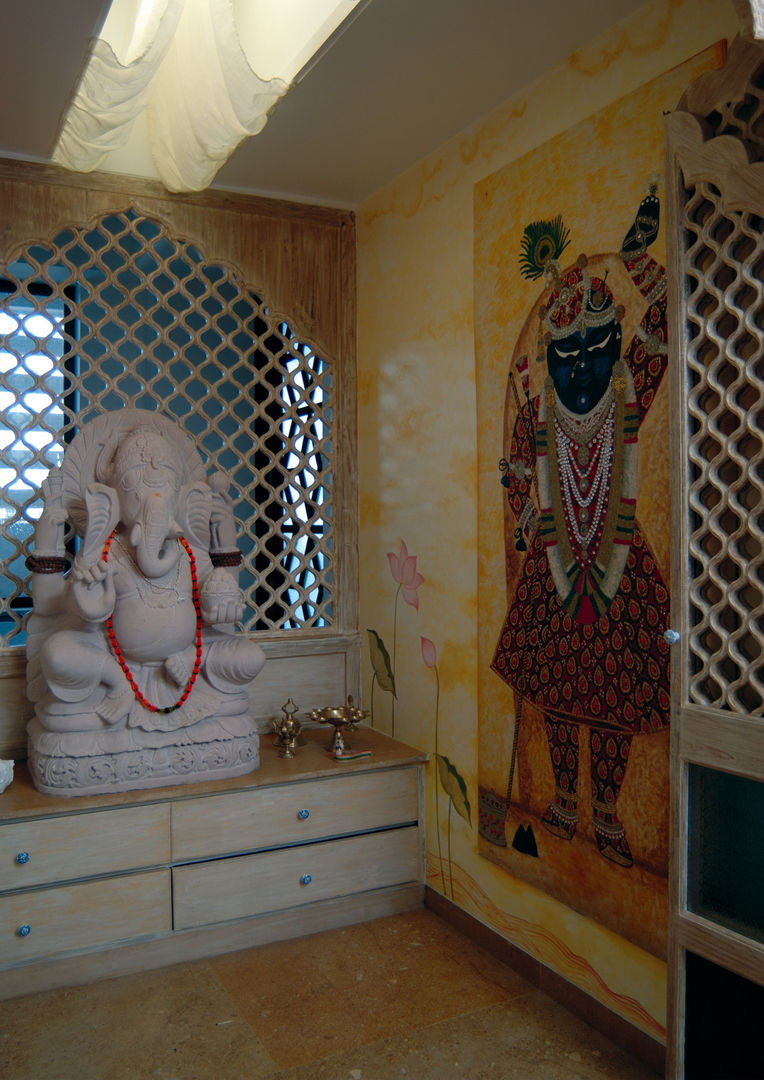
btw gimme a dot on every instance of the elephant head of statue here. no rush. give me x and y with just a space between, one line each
138 468
148 482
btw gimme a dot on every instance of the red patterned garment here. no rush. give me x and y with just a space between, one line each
613 672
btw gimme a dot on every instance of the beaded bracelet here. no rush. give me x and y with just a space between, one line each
225 558
46 564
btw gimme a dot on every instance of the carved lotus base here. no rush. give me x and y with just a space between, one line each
103 762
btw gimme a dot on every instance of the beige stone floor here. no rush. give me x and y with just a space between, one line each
407 996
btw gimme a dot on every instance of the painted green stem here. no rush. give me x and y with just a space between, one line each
450 863
395 641
437 779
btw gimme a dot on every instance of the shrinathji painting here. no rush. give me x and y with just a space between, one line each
572 353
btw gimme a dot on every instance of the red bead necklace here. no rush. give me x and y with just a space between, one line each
197 663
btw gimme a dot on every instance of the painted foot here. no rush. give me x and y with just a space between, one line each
611 839
561 818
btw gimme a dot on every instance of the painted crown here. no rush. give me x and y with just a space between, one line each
577 302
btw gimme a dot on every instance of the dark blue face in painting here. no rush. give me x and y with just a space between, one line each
581 365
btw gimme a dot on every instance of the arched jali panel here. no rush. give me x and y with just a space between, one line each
232 315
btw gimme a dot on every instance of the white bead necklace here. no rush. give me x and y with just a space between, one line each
583 428
579 488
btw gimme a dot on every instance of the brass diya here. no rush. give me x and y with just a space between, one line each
287 729
342 718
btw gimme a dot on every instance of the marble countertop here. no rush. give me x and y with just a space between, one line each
312 760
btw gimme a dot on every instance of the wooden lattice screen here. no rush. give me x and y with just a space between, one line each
121 312
722 267
715 179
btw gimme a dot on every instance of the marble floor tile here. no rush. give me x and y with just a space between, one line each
350 987
172 1024
520 1039
403 998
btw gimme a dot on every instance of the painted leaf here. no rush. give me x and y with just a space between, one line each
380 661
454 787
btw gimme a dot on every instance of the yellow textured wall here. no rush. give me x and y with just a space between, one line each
418 464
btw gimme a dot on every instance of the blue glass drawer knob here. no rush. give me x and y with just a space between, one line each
671 636
303 814
25 930
22 857
306 879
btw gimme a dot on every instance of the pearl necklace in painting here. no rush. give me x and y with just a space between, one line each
584 475
587 465
583 428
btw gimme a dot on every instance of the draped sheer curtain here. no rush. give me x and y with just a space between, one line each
197 76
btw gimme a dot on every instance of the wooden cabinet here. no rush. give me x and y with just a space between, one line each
213 891
293 813
105 884
715 182
87 915
41 851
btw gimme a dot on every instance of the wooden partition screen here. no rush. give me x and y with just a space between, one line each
715 181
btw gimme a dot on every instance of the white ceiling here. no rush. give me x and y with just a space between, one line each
401 78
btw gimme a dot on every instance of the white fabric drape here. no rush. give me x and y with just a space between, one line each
199 113
110 96
200 94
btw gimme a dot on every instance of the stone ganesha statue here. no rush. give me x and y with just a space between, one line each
137 676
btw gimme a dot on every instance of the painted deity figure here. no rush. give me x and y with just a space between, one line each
583 635
135 670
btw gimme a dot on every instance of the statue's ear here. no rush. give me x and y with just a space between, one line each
102 506
195 507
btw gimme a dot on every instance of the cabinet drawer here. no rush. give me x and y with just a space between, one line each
276 880
81 845
83 916
293 813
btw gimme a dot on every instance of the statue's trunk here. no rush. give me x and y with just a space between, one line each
156 552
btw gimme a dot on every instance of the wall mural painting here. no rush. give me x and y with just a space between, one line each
582 640
448 780
581 645
574 498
